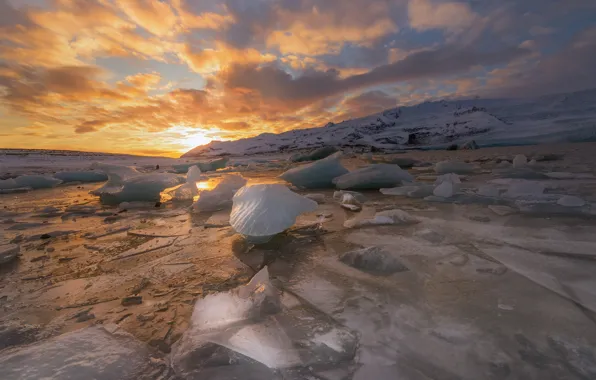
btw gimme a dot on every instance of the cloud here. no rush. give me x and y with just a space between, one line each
431 14
273 82
208 60
155 16
144 80
368 103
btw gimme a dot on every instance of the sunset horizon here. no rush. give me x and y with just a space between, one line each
159 78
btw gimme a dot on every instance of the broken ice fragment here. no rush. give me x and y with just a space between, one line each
571 201
149 246
117 174
221 196
261 211
457 167
502 210
373 177
338 195
375 260
414 191
348 201
318 174
256 299
81 176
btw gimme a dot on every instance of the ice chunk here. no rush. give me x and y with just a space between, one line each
205 166
8 252
82 176
189 189
117 174
101 353
375 260
338 195
449 177
470 145
221 196
520 161
253 300
29 181
525 188
348 201
261 211
571 201
373 177
317 154
318 174
397 217
143 188
457 167
444 190
255 321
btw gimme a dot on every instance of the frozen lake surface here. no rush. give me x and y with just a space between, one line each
491 279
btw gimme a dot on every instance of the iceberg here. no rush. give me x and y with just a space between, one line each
261 211
143 188
457 167
488 191
82 176
187 191
374 177
317 154
204 166
319 174
375 260
221 196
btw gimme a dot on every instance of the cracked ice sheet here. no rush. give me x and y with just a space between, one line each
573 279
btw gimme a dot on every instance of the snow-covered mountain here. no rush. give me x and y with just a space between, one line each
553 118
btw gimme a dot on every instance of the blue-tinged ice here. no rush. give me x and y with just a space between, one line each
205 166
146 187
374 177
117 174
319 174
30 181
187 191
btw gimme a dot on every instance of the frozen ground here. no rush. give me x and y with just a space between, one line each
479 288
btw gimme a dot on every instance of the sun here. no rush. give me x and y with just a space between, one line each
195 139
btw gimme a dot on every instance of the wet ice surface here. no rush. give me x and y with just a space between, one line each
494 282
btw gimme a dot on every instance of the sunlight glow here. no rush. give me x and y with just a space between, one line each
195 139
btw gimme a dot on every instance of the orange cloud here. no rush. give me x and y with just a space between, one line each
209 60
155 16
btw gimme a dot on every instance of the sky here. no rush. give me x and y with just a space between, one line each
159 77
